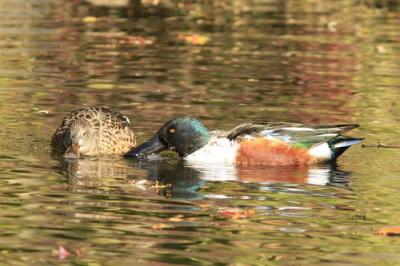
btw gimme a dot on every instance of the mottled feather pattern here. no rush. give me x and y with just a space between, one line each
112 133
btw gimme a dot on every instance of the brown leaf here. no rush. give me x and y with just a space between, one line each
89 19
388 231
236 214
63 253
344 207
177 218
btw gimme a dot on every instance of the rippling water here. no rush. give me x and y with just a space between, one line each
225 63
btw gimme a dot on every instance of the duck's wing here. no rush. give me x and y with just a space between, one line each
300 134
251 129
308 136
115 116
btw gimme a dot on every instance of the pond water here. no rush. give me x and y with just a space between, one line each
224 62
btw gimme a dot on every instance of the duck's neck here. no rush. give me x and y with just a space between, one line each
197 142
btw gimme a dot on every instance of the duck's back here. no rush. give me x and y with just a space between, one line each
111 131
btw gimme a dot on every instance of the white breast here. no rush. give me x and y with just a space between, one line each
217 150
321 152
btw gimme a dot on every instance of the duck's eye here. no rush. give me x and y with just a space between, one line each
84 134
171 130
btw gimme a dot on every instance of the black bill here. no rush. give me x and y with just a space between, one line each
153 145
72 152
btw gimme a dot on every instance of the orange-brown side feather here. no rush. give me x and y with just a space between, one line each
261 151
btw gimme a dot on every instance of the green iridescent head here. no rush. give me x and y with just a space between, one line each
184 135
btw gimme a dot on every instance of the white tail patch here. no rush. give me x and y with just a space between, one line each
321 151
347 143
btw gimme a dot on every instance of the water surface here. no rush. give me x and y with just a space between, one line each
224 63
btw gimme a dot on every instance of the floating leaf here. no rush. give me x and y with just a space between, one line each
89 19
380 49
100 86
63 253
389 231
177 218
236 214
137 40
194 39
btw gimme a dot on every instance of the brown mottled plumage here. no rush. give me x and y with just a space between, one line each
93 131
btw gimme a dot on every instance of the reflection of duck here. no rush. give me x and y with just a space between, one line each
250 144
181 181
93 131
92 171
184 179
313 175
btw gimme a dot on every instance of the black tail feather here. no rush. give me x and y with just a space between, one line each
341 144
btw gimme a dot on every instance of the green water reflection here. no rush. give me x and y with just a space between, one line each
225 62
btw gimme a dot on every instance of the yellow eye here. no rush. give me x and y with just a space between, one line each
172 130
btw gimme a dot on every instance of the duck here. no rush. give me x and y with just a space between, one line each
274 143
91 131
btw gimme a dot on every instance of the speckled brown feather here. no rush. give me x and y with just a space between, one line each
112 132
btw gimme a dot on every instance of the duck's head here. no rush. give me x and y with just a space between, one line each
78 138
183 135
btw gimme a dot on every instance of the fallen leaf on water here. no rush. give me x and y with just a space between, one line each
63 253
271 245
389 231
194 39
236 213
158 226
332 26
137 40
177 218
380 49
344 207
89 19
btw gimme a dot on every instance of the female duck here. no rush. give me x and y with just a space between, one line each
250 144
93 131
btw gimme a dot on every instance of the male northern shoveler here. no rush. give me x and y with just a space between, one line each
250 144
93 130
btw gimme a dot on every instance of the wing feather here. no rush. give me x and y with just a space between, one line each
296 134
